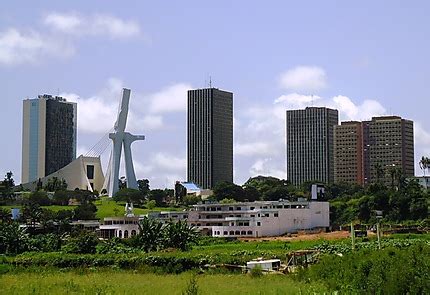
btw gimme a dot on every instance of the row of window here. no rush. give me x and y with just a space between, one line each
234 233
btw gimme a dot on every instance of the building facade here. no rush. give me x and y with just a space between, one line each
48 136
309 144
371 150
348 153
390 145
259 219
209 137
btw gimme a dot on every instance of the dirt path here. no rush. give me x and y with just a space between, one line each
304 237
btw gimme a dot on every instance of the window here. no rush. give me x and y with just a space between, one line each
225 233
243 233
90 171
133 233
275 214
231 233
250 232
237 232
125 234
258 223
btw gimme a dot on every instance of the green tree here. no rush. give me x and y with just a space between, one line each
55 184
39 197
85 211
159 196
62 197
228 190
83 243
150 237
13 239
130 195
151 204
143 185
424 164
180 235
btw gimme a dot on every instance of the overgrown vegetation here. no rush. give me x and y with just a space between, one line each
389 271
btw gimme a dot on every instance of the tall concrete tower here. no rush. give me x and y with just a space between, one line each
48 136
310 149
210 137
121 139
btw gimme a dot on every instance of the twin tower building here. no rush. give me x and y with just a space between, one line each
317 147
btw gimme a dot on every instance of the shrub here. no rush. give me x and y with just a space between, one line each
85 242
192 287
256 271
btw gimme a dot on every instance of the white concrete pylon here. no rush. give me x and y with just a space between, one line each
121 139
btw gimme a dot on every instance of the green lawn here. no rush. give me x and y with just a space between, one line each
94 281
105 208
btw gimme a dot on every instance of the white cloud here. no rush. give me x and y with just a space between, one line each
169 162
170 99
266 167
304 78
18 47
99 24
253 149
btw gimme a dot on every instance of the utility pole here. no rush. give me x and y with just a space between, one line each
353 236
378 230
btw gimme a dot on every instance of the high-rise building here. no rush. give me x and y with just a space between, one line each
366 151
48 136
348 153
390 145
210 137
309 143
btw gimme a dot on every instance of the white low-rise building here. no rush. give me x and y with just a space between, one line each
259 219
121 227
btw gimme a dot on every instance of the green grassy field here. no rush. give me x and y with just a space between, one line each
129 282
105 208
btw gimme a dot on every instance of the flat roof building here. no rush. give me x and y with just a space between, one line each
348 153
391 145
370 150
210 137
48 136
309 144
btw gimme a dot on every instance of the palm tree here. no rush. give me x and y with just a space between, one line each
425 164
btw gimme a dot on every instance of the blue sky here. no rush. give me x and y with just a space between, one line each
364 58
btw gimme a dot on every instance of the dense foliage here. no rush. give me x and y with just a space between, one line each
389 271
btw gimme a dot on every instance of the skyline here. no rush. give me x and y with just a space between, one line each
363 69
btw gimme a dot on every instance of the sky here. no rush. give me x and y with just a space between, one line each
365 58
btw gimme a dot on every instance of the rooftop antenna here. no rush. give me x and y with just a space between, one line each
210 81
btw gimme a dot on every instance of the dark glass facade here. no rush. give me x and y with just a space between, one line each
210 137
60 135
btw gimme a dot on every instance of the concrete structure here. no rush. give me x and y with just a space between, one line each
121 227
348 153
210 137
391 144
83 173
265 265
121 139
360 147
48 136
309 145
259 219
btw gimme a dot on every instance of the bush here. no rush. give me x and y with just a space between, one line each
389 271
256 271
85 242
192 287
